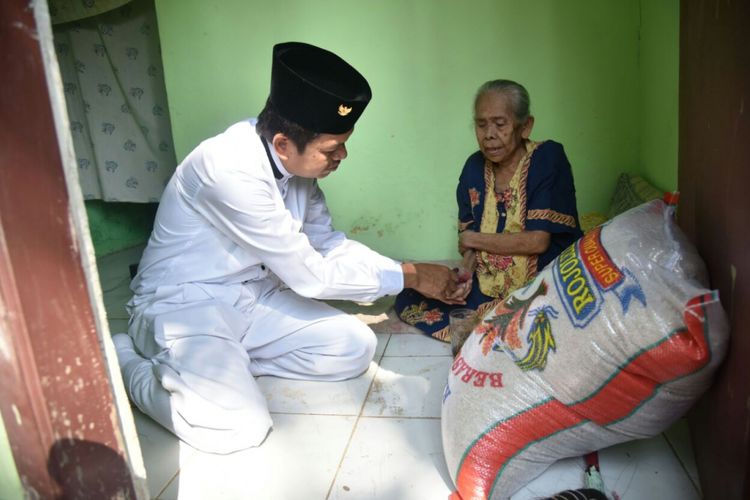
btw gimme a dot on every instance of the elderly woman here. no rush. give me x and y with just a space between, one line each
516 209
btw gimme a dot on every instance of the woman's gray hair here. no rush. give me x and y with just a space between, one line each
517 93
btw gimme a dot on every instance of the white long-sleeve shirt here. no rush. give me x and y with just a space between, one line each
224 219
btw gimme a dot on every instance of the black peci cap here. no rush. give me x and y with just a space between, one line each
316 89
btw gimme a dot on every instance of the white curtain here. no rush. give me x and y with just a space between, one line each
114 87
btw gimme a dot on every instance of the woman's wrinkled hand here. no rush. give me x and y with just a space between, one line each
464 275
463 288
468 262
465 241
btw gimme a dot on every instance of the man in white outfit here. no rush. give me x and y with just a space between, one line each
242 245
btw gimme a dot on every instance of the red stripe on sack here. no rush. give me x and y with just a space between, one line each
629 388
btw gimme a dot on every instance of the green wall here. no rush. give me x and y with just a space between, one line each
424 59
10 484
602 77
659 73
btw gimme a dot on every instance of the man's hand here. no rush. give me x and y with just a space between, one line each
433 281
465 274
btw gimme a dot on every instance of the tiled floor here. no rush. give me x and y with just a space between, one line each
373 437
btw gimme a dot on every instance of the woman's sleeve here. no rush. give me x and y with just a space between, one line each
551 203
467 197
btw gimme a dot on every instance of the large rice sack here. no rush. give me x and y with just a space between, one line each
614 340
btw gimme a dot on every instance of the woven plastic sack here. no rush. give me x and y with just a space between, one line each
614 340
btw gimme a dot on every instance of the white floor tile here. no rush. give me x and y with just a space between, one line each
318 398
114 277
563 475
638 470
393 459
382 342
115 268
646 468
161 452
298 461
408 387
172 492
641 469
378 315
115 300
678 437
416 345
391 324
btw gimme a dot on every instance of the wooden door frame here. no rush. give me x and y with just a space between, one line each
714 156
61 387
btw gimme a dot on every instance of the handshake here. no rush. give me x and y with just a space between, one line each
436 281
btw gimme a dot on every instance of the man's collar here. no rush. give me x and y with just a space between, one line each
279 172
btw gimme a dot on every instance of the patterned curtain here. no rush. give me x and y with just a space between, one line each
114 88
63 11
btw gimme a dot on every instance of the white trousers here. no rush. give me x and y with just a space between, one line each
200 357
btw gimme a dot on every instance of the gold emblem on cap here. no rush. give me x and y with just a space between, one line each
344 110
